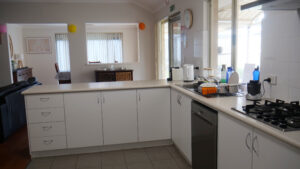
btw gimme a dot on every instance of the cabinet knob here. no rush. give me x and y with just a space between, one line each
47 128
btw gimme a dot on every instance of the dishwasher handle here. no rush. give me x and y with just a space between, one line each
199 114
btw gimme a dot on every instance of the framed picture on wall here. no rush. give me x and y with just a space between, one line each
38 45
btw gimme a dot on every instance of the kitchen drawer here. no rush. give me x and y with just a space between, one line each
48 143
47 129
45 115
44 101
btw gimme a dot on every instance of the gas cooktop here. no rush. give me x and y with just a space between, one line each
280 115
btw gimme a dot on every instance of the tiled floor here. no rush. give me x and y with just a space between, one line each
165 157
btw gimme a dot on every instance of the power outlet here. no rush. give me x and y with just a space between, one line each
273 80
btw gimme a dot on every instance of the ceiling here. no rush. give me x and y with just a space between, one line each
150 5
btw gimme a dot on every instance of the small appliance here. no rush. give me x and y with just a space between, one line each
177 74
254 88
188 73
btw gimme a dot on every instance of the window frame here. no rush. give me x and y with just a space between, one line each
87 57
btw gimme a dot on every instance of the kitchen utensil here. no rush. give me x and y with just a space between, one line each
188 73
208 88
177 73
234 78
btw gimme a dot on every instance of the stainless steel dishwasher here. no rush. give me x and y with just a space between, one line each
204 136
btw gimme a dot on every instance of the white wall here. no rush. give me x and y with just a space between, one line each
197 37
79 14
281 53
130 38
43 64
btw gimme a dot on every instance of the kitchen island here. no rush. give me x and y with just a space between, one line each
72 103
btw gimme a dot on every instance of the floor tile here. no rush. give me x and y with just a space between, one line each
158 153
142 165
41 163
65 162
165 164
89 161
136 156
174 152
182 163
116 166
113 158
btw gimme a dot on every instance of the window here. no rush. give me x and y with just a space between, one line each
62 52
238 36
105 47
162 52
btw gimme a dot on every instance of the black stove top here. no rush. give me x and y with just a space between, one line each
281 115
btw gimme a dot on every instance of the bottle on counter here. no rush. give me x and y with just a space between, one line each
256 74
223 74
228 74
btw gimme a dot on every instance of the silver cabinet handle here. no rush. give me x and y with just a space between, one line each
45 114
47 142
47 128
254 142
179 100
44 99
247 141
103 99
98 100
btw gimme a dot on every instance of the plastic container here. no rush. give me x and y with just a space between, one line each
256 74
223 74
228 74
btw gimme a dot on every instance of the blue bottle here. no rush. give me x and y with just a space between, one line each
256 74
229 72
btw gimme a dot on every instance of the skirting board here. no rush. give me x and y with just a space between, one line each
100 148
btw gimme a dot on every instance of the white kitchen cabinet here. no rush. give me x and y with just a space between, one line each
119 116
271 153
154 118
83 119
234 144
181 123
242 146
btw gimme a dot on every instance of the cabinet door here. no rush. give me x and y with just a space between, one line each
271 153
154 118
186 112
176 121
181 123
119 116
234 144
83 119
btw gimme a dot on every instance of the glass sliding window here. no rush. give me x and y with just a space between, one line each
248 39
105 47
62 52
224 32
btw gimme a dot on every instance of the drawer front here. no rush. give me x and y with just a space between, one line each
44 101
48 143
47 129
45 115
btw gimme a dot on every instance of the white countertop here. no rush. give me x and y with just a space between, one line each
221 104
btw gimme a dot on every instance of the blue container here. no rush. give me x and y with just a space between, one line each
256 74
229 72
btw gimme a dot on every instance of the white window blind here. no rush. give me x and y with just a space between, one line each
105 47
62 52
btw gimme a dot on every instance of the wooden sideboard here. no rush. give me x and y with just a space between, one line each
22 74
115 75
